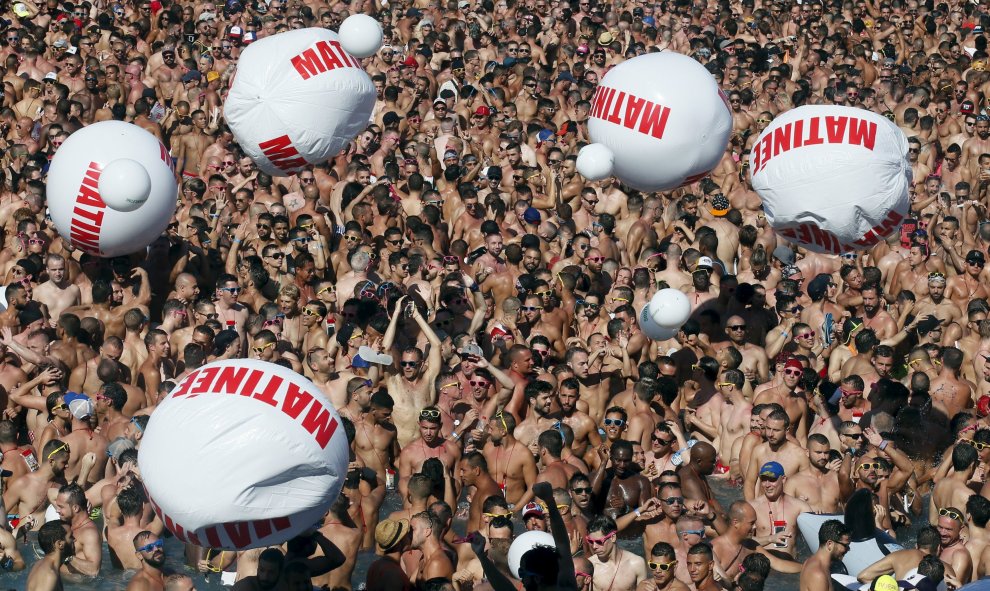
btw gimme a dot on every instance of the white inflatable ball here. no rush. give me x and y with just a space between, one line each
297 99
125 185
111 189
595 162
360 35
523 544
669 308
664 118
243 454
651 329
833 179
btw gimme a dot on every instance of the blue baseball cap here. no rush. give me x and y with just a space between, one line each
544 135
772 470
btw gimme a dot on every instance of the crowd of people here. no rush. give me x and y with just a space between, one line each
470 303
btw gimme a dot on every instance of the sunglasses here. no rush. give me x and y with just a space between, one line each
661 566
980 446
231 290
793 372
531 308
599 541
950 514
870 466
310 312
427 413
59 448
152 546
806 335
262 349
673 500
581 490
737 327
408 363
661 440
478 383
614 422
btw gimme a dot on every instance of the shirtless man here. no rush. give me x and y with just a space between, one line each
949 390
755 364
188 148
777 448
512 463
375 444
624 489
58 293
820 484
412 386
833 543
788 397
776 511
952 490
28 495
58 544
953 553
426 538
662 564
73 508
615 568
700 566
735 416
429 444
901 563
585 429
150 550
968 285
473 471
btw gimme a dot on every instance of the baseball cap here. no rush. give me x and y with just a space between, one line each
565 76
235 32
192 75
544 135
704 264
390 532
493 173
976 256
967 107
533 508
410 62
51 76
61 43
439 100
789 270
414 13
927 324
483 111
567 127
582 48
531 215
772 470
720 205
983 406
649 21
80 405
359 363
884 583
784 255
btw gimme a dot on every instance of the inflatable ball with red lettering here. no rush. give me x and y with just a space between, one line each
297 99
663 119
833 179
243 454
111 189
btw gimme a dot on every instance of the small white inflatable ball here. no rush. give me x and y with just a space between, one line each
360 35
111 189
523 544
664 118
669 308
125 185
651 329
298 98
243 454
595 162
833 179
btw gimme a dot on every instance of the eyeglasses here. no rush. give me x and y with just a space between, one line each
673 500
614 422
950 514
431 413
151 547
260 350
64 446
661 566
581 490
869 466
599 541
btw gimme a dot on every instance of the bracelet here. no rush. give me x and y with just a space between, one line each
883 445
474 287
455 435
636 511
236 241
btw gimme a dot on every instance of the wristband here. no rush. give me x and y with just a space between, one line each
474 287
455 435
636 511
883 445
236 241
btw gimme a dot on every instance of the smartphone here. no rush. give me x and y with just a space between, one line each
779 527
